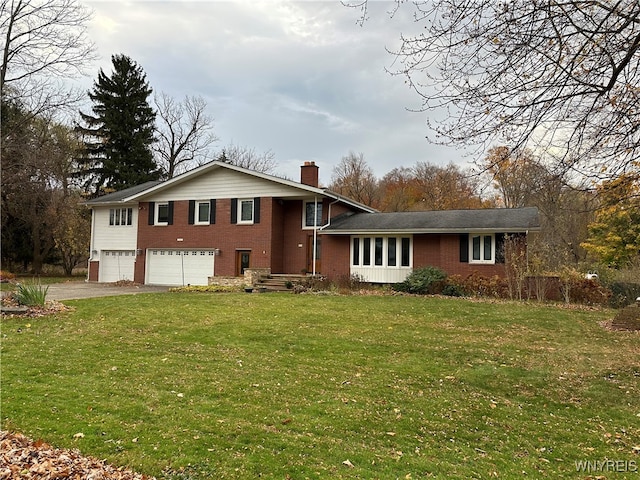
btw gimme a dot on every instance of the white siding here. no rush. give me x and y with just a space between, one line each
381 274
107 237
222 183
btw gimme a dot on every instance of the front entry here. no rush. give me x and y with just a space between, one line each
243 261
310 255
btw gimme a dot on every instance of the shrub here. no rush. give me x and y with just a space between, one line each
348 283
451 290
481 286
425 280
6 276
589 292
31 295
207 289
623 294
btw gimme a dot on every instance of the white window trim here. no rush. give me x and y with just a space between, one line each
482 236
120 210
304 215
253 213
157 209
196 219
385 252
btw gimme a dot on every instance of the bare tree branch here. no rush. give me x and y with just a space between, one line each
184 133
559 76
43 42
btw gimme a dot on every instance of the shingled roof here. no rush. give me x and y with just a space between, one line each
120 195
443 221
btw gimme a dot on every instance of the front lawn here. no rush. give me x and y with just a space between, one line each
204 386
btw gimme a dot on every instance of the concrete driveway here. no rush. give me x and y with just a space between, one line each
75 290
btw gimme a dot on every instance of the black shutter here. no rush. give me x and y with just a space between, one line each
256 210
192 212
500 247
234 210
170 221
152 212
464 248
212 211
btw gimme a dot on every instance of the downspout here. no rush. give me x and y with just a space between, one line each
329 215
315 235
93 223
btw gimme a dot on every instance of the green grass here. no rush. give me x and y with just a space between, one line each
38 280
205 386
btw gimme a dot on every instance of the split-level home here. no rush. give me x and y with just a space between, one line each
219 220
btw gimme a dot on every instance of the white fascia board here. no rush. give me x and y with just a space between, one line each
427 230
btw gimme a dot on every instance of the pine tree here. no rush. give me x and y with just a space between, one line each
119 134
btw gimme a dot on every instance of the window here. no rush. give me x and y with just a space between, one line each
120 216
356 251
203 210
312 214
405 259
391 252
366 252
482 249
384 251
377 251
162 213
246 211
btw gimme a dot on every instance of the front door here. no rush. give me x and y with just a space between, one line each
243 261
310 259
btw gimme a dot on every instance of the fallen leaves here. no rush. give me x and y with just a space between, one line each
21 457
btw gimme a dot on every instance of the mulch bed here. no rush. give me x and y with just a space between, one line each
23 458
627 318
11 308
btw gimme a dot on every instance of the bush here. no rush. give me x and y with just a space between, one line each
207 289
6 276
31 295
452 290
425 280
480 286
623 294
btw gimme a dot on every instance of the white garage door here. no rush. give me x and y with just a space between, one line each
179 267
116 265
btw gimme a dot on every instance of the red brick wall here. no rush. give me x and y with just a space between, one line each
223 235
278 241
443 251
294 245
336 255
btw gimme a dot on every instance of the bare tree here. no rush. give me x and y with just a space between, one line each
561 76
44 42
517 174
354 178
184 132
248 158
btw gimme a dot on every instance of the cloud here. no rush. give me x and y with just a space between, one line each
300 78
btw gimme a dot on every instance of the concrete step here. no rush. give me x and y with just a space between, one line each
279 282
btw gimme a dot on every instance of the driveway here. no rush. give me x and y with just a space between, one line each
75 290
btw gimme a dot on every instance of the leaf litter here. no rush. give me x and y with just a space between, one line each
21 457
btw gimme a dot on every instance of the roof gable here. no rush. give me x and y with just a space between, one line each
221 180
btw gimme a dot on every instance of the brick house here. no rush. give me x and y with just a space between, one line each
218 220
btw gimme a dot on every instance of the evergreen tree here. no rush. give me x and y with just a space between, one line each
119 134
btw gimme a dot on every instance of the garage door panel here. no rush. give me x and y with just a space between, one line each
179 267
116 265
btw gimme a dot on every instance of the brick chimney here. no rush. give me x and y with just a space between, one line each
309 174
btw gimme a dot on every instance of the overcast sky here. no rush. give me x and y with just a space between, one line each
299 78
